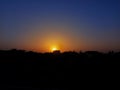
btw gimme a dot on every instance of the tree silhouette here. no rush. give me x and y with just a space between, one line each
22 68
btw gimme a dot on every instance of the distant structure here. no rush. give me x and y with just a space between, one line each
56 51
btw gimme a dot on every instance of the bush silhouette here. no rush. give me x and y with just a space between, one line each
23 68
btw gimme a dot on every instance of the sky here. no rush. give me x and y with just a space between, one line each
68 25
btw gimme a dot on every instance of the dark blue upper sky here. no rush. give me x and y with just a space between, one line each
91 24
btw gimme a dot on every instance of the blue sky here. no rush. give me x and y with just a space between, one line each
94 24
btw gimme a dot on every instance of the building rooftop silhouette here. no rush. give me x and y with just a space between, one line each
56 52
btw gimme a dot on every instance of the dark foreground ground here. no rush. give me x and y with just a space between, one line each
58 71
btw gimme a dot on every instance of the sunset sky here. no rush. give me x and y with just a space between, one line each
67 25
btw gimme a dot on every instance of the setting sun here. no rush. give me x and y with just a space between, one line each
54 48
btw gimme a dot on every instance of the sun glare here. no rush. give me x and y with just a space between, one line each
54 49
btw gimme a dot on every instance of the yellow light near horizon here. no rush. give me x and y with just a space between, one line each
54 48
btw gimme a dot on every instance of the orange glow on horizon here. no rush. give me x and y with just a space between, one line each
54 48
52 37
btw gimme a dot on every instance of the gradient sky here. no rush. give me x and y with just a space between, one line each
66 24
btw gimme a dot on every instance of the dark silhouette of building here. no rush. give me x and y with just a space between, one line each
56 52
